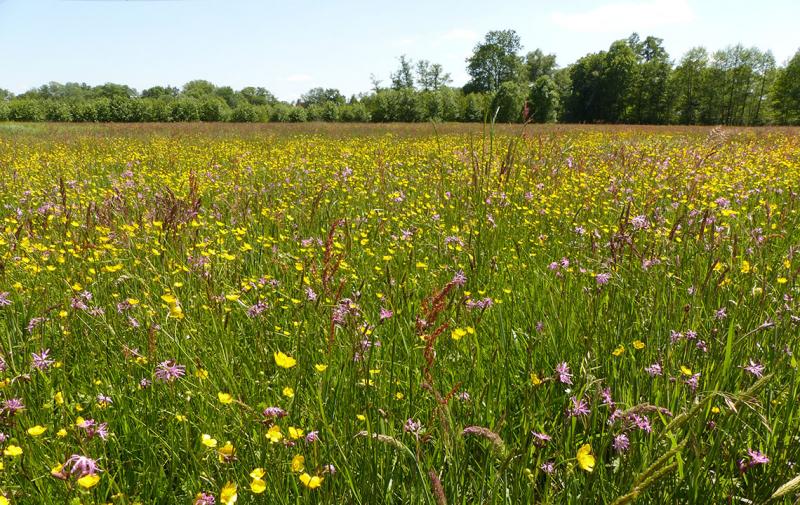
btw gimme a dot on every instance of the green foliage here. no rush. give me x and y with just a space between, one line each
212 108
545 99
185 109
26 109
244 113
495 61
509 101
786 92
634 81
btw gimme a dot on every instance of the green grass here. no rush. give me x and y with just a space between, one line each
199 227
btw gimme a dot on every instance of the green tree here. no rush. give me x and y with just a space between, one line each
786 92
538 64
545 99
403 77
687 85
431 77
509 102
494 61
258 96
321 96
198 89
160 92
649 97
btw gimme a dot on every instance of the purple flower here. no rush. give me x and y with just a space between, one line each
539 439
311 296
693 381
104 401
33 323
602 279
757 458
606 396
257 309
640 222
459 279
4 301
548 467
205 499
12 406
413 427
654 369
41 361
313 436
80 465
754 368
275 412
641 422
621 443
720 314
564 376
168 371
579 408
386 313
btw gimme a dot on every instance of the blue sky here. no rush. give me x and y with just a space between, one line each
291 46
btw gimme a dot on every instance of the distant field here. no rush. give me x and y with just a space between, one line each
327 313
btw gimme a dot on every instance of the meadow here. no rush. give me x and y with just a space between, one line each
218 314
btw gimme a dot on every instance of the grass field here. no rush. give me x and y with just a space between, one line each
398 314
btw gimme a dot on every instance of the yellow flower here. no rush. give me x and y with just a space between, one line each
208 441
686 370
180 418
89 481
320 367
535 380
4 500
274 434
288 392
258 486
458 333
745 266
59 398
13 451
284 361
298 463
295 433
782 280
226 452
225 398
228 495
585 458
201 373
638 344
56 470
61 433
258 473
619 350
37 430
311 482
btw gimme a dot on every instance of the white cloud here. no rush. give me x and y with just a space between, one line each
626 16
298 78
460 34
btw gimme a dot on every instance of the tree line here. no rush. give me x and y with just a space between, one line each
634 81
